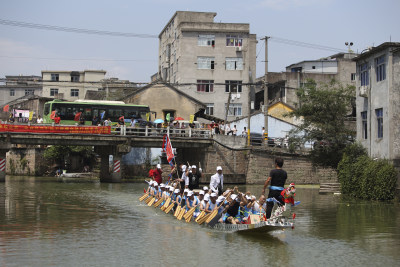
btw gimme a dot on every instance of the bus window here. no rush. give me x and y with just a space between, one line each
130 113
88 113
46 109
114 114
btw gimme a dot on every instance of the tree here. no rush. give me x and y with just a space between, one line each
324 110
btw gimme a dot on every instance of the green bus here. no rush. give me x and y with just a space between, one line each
112 110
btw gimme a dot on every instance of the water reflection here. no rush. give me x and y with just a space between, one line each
43 222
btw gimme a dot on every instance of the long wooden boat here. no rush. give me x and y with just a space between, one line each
279 220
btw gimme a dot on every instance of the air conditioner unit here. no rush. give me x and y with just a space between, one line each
237 96
363 91
238 49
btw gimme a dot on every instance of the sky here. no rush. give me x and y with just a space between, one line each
329 23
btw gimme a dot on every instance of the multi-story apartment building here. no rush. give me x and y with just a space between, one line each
19 86
377 100
209 61
339 67
71 85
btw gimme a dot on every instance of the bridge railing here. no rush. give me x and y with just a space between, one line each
172 132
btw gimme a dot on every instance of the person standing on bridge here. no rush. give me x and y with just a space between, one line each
277 178
57 119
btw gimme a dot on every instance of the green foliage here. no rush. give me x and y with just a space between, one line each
58 153
324 110
362 177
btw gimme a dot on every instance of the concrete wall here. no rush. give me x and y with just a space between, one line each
22 161
160 98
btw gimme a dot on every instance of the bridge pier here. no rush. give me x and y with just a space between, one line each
113 173
4 148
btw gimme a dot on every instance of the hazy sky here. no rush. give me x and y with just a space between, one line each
323 22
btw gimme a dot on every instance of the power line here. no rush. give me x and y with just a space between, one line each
74 30
76 59
307 45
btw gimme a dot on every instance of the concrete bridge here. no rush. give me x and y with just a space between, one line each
117 142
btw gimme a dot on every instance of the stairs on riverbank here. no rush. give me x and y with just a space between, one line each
329 187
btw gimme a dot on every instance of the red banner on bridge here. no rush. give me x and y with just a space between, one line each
55 129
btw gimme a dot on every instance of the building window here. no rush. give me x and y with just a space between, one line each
234 63
380 68
379 120
55 77
53 91
353 76
75 78
101 89
234 40
364 74
364 125
210 109
206 86
75 92
205 63
233 86
206 40
234 109
29 91
12 92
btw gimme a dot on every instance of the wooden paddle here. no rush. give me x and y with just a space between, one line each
177 211
158 203
143 197
188 219
215 211
200 216
181 214
166 204
167 210
202 220
151 201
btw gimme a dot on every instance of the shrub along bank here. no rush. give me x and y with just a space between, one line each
363 177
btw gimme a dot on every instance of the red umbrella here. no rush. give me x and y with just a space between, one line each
179 119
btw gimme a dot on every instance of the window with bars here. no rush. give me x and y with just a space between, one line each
364 74
75 92
209 109
380 68
206 40
234 63
364 124
234 40
12 92
53 91
234 109
205 63
29 91
379 120
233 86
206 86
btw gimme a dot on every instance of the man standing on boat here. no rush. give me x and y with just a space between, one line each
217 181
194 178
156 174
277 178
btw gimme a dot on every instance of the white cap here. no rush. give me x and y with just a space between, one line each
221 198
233 196
213 194
194 167
183 167
219 168
253 197
205 188
190 193
171 188
248 198
206 197
162 185
201 192
177 191
155 184
186 190
158 166
151 183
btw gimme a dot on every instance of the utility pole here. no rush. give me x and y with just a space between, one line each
266 85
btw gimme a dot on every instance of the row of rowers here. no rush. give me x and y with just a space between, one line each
233 205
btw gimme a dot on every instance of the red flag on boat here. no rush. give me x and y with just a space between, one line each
53 115
6 107
78 116
167 148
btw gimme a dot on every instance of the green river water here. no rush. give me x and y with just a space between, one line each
48 223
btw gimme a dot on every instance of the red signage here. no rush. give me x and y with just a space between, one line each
55 129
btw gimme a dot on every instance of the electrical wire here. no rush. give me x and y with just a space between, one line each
77 59
73 30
